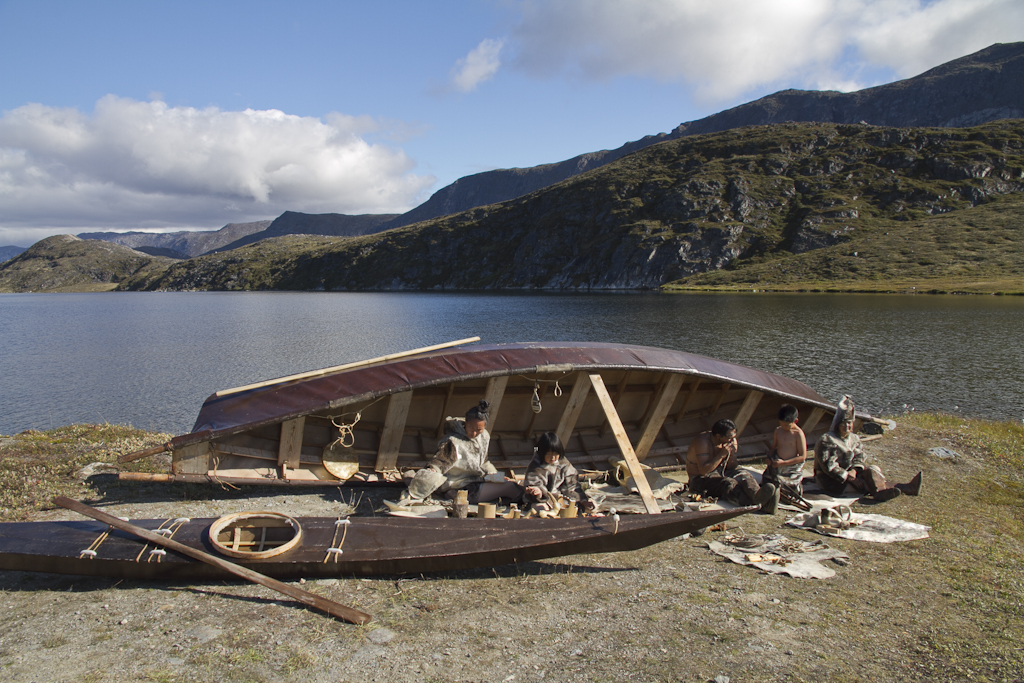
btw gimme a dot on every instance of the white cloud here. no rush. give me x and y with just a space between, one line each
478 66
134 164
730 47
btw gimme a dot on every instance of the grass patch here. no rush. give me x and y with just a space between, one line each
36 465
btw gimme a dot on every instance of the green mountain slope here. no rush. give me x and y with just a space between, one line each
65 263
729 200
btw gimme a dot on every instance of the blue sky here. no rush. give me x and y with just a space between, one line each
190 115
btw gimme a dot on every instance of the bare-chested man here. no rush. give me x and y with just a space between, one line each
788 454
713 469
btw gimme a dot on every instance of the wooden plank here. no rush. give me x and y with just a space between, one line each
573 407
394 430
347 366
290 447
194 459
663 403
444 411
688 400
721 397
747 409
493 394
812 420
632 464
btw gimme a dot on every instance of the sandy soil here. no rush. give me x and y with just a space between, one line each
950 607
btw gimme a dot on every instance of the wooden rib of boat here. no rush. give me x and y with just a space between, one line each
358 546
385 416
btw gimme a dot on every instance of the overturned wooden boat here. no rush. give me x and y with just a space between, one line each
375 419
319 547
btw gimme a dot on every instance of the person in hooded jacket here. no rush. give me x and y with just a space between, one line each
550 474
460 462
839 460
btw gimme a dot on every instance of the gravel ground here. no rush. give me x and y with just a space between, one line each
950 607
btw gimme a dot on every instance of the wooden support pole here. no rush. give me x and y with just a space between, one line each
812 420
747 409
632 464
290 446
306 598
573 407
688 400
394 430
721 397
493 394
663 403
444 410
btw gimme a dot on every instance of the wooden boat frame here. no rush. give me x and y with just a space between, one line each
605 401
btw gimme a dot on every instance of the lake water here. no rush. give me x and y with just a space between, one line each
150 359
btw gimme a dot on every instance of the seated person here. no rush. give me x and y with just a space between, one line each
551 474
789 451
461 463
713 469
839 460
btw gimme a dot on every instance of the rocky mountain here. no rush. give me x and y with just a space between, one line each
9 252
180 245
65 263
985 86
686 206
295 223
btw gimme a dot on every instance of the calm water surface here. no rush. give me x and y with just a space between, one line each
150 359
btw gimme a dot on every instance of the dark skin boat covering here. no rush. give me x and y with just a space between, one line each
370 546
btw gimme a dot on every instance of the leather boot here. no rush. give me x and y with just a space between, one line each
886 494
767 497
913 487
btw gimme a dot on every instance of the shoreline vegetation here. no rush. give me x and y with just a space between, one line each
950 607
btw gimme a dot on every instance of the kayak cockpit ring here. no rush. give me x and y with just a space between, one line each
255 535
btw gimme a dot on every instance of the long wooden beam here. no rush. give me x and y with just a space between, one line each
347 366
632 464
662 404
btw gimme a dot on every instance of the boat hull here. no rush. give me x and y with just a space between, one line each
384 418
371 545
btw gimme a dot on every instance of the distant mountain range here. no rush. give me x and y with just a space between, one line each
9 252
870 204
180 245
985 86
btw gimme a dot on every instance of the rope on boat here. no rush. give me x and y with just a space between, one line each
90 552
346 434
216 479
335 550
167 529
